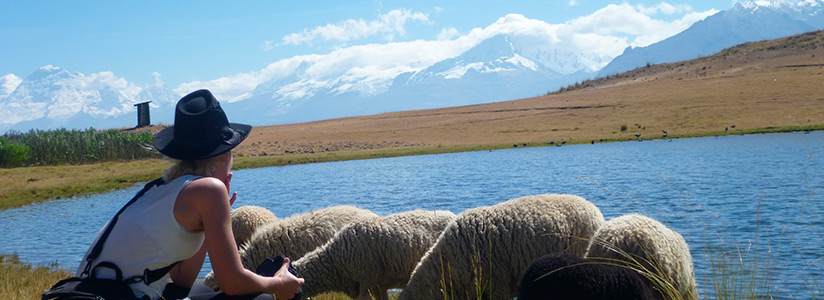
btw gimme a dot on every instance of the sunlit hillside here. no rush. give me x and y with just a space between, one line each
752 87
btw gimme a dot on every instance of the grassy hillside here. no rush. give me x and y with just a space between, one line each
767 86
764 86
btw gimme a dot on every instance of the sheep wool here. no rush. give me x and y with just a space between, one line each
564 276
370 256
651 247
246 219
295 236
485 250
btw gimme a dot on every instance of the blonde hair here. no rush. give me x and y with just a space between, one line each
201 167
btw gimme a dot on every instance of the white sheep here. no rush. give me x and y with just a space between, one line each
659 253
246 219
486 249
368 257
295 236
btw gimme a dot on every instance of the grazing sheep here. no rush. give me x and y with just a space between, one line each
370 256
659 253
486 249
564 276
295 236
246 219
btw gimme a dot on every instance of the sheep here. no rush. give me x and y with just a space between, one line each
246 219
486 249
564 276
295 236
660 254
368 257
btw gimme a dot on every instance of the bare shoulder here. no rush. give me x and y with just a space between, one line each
207 191
205 185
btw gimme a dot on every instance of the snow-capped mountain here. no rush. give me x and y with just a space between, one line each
52 97
744 22
496 69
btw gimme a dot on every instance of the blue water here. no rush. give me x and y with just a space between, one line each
758 198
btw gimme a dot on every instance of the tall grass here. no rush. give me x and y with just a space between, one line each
737 272
481 274
20 281
23 281
63 146
735 275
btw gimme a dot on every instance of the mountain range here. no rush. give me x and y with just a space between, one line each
53 97
494 70
501 67
744 22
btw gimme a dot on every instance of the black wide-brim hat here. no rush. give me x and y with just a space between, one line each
201 129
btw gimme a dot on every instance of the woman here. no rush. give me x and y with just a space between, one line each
176 223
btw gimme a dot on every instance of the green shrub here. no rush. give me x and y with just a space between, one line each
62 146
11 154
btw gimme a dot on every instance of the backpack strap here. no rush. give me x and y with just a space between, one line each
150 276
118 274
98 247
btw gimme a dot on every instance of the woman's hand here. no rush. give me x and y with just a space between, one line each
228 183
289 283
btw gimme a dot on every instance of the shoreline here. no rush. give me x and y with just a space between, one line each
30 185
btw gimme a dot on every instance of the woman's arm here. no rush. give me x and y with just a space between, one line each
209 197
185 273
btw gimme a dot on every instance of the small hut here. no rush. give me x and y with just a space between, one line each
143 114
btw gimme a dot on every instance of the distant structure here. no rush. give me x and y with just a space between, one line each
143 119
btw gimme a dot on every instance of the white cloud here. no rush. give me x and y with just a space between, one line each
448 33
664 8
49 68
572 3
158 82
102 81
99 81
387 25
693 17
239 86
597 38
8 83
626 20
267 46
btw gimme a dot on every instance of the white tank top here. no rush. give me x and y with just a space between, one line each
147 235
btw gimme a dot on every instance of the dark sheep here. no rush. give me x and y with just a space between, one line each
561 276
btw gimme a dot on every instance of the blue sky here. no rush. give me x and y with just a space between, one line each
189 44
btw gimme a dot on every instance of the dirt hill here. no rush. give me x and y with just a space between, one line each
754 86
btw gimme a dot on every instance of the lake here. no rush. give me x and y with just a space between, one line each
757 198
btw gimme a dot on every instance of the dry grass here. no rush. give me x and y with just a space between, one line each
22 186
22 281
